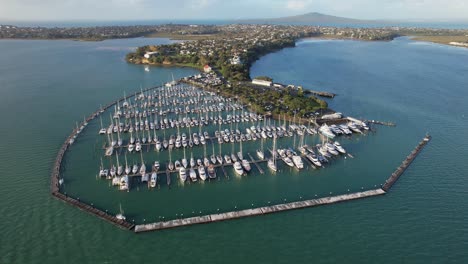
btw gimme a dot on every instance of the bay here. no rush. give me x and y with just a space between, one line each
46 86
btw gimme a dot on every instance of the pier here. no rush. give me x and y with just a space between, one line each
323 94
405 164
255 163
256 211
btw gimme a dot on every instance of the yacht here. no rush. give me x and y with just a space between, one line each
219 158
144 177
182 174
156 165
314 160
135 169
109 151
193 174
298 161
177 165
211 172
288 161
238 168
233 157
202 172
142 169
339 147
227 159
154 180
124 183
325 130
158 145
331 148
121 215
246 165
272 165
260 154
138 147
184 162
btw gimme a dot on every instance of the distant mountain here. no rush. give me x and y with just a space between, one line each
309 18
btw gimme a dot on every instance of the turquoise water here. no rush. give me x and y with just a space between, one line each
46 86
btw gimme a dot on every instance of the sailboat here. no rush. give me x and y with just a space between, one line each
121 215
103 172
272 161
260 152
127 168
170 166
119 167
102 131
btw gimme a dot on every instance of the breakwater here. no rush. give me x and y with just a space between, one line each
256 211
55 174
405 164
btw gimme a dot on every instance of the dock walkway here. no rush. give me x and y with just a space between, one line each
256 211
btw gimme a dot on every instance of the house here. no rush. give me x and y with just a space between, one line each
207 68
149 54
261 82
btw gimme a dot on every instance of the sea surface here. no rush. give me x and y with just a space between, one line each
47 86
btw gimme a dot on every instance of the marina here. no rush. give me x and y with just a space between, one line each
255 126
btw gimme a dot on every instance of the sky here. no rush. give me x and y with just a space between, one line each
116 10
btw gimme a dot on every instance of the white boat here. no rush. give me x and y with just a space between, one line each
246 165
135 169
138 147
339 147
325 130
331 148
158 145
297 161
193 174
260 154
238 168
211 172
156 165
121 215
202 172
288 161
109 151
124 183
145 177
154 180
272 165
227 159
182 174
314 160
233 157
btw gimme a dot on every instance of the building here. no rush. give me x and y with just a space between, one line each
261 82
236 60
207 68
149 54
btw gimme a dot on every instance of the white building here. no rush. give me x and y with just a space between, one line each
149 54
261 82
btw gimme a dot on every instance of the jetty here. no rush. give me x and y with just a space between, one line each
256 211
405 164
320 93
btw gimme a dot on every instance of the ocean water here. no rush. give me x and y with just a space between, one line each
46 86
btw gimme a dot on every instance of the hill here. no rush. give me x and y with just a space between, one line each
309 18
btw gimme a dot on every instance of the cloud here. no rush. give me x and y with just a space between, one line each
297 5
